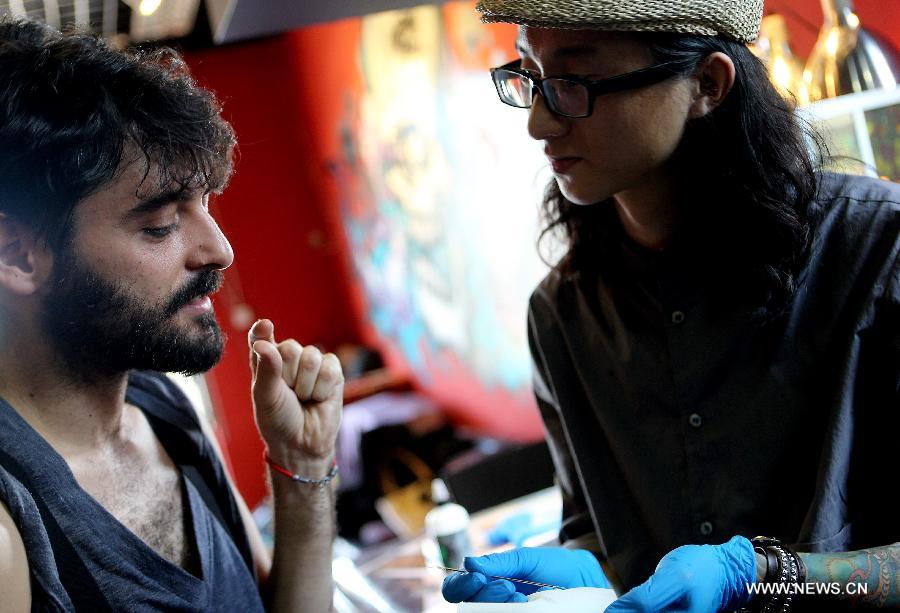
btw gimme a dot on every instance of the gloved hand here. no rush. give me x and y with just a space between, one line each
551 565
695 579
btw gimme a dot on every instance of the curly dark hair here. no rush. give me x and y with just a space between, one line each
754 165
70 107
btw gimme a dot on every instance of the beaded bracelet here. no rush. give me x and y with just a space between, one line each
297 478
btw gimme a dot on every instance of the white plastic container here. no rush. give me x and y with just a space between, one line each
446 530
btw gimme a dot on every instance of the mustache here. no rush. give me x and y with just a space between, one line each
206 282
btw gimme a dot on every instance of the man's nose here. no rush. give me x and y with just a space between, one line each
211 250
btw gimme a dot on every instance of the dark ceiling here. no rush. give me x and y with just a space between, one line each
198 23
232 20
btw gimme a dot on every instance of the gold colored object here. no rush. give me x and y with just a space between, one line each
774 49
403 508
846 58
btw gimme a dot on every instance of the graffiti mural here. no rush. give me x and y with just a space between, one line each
441 225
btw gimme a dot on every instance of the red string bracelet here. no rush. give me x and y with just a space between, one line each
297 478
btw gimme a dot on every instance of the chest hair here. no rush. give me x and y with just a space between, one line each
149 500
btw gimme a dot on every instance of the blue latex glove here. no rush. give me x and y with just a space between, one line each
695 579
551 565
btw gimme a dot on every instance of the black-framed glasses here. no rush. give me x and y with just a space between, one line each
572 96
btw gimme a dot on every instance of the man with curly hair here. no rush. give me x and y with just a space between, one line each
114 497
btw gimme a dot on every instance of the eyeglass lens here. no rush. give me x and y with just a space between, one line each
566 97
562 96
513 88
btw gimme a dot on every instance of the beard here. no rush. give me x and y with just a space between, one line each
100 329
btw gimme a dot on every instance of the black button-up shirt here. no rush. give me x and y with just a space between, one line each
673 420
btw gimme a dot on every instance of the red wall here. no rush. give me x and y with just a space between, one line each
281 213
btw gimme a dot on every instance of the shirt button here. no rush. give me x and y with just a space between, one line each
695 420
706 528
677 317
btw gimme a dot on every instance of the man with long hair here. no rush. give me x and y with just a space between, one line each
717 353
113 493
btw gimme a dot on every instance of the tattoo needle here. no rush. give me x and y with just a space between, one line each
534 583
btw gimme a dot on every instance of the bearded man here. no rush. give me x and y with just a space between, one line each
112 492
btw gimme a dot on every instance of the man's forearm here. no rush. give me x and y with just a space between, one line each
878 569
304 533
297 399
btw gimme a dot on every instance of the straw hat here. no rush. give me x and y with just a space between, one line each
737 19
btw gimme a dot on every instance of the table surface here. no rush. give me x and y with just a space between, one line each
398 569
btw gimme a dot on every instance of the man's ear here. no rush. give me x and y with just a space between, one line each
25 261
714 79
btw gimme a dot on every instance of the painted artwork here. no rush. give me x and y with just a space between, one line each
884 131
862 132
441 189
843 141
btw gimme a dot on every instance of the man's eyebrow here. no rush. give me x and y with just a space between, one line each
158 201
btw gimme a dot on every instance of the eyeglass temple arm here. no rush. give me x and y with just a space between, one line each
639 78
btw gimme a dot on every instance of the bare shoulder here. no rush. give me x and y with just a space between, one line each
14 580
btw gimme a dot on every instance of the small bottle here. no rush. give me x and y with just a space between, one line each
446 530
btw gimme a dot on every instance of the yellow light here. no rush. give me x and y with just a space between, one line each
781 73
803 95
852 20
831 43
148 7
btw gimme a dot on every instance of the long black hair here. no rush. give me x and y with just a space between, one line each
755 163
71 105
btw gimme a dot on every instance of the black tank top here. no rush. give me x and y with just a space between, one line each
82 558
